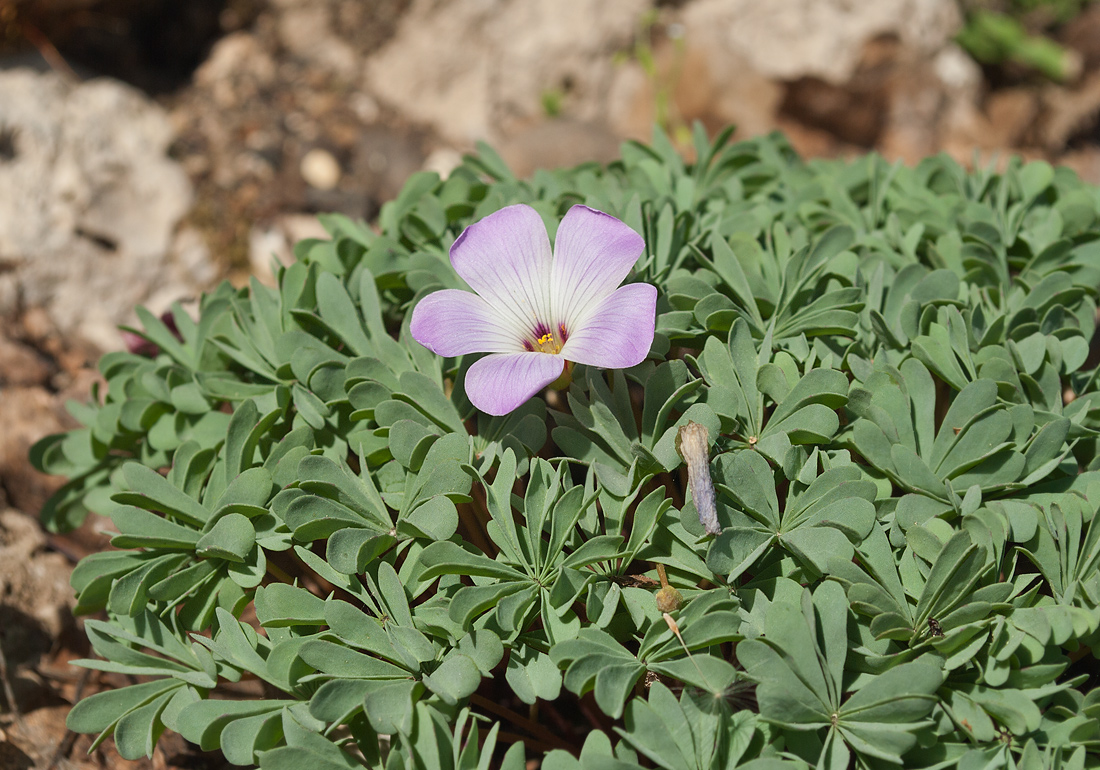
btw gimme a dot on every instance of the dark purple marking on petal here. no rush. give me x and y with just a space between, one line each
545 340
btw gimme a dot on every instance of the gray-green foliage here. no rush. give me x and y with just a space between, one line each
909 564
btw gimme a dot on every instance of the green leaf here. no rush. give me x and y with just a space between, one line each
231 539
389 707
284 605
597 549
597 662
350 550
446 558
338 661
455 679
100 711
202 723
532 675
153 492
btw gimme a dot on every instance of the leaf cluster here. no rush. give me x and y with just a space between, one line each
892 365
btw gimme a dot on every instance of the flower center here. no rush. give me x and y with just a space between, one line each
545 340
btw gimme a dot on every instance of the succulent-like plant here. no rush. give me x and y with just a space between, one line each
888 551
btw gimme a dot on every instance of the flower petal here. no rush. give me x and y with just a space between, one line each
619 331
593 253
452 323
499 383
506 258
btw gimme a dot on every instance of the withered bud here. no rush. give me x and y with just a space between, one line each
693 444
669 599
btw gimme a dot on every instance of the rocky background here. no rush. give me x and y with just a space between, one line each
150 148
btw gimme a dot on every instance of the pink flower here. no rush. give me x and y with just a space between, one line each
535 309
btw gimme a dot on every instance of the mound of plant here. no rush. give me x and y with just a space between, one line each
840 512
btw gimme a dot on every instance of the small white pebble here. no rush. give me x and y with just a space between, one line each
320 170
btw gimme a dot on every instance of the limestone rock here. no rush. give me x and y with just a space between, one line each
788 39
704 79
512 53
89 205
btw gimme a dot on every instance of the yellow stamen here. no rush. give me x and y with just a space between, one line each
548 343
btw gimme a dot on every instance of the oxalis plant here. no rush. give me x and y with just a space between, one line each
767 463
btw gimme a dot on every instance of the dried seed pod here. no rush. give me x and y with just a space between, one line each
693 444
669 599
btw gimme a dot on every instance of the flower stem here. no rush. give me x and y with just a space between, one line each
566 378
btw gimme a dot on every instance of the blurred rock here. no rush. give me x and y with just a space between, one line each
856 74
789 39
443 160
812 142
13 757
272 126
511 54
237 62
21 365
854 113
32 584
1082 34
700 78
931 104
1068 112
89 204
1012 114
276 240
306 30
829 65
26 415
959 74
560 143
334 34
383 158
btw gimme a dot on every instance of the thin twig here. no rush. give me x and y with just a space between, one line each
674 627
49 52
479 533
534 728
471 516
527 741
9 694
